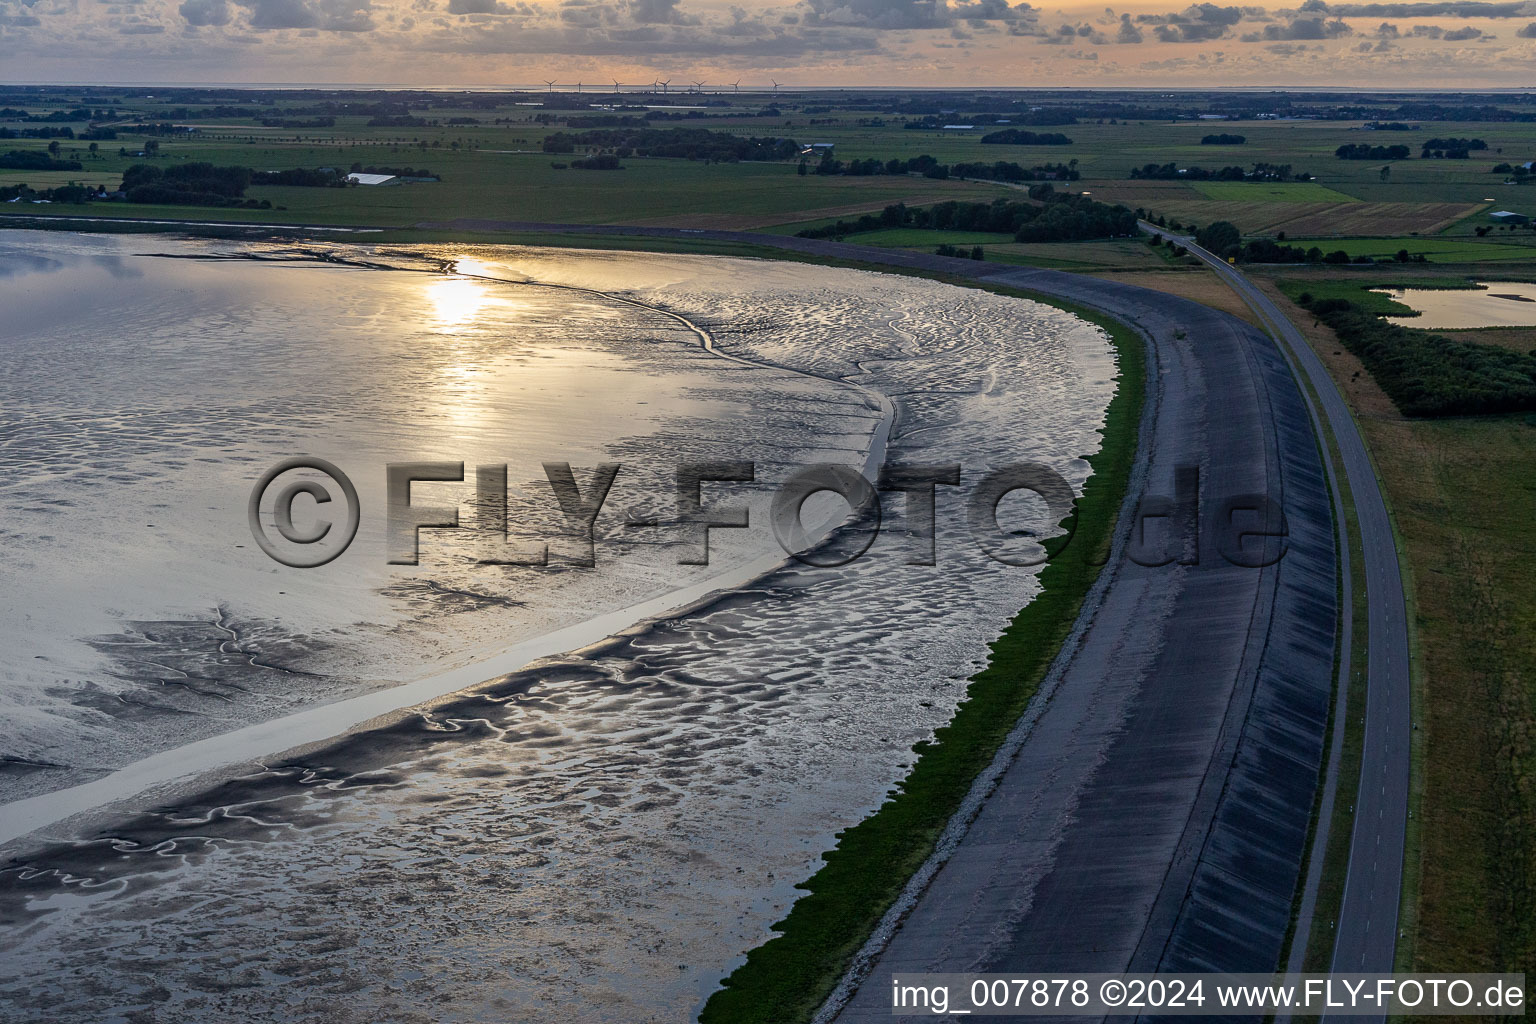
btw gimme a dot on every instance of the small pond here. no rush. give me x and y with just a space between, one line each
1490 304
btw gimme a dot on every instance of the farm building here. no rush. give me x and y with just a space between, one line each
370 179
1508 217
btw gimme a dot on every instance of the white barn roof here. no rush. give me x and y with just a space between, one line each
370 179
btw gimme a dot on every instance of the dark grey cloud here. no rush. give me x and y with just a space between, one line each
1387 30
1300 28
1529 32
476 7
656 12
1072 34
321 15
1448 9
598 29
1128 32
1197 23
1460 35
913 14
205 12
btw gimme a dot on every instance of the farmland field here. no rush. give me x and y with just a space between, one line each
493 168
1436 250
1271 192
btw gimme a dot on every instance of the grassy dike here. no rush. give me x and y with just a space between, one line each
788 978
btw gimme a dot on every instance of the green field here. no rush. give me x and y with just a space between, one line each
1437 250
497 171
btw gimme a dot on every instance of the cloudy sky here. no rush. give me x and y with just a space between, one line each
799 42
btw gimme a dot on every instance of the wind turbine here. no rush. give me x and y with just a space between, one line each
578 87
698 86
736 85
550 83
775 87
617 89
664 86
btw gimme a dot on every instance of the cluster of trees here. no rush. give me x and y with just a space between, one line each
320 177
1223 239
74 192
1020 137
639 119
1260 172
959 252
153 128
1263 250
37 133
1429 374
35 160
77 114
929 167
600 162
1366 151
1007 170
1421 110
219 110
1058 217
924 165
192 184
686 143
1223 140
1518 171
1452 148
1035 118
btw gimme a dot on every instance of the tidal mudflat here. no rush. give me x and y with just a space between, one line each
598 835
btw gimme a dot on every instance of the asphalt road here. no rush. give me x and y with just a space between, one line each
1367 927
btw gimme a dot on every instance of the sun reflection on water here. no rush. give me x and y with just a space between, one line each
456 300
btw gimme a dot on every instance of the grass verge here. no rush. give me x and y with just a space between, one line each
787 978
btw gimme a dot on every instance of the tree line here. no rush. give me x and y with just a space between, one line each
1055 217
685 143
1366 151
1429 374
1260 172
35 160
1451 148
929 167
1020 137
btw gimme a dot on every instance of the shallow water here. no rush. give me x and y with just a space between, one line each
1490 304
598 836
